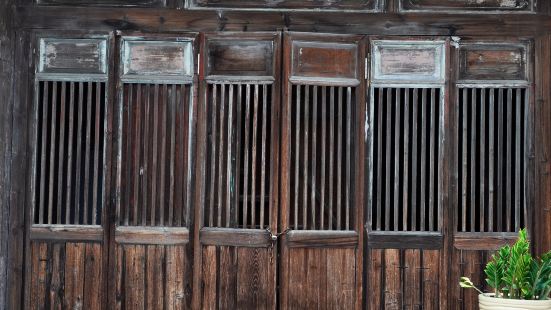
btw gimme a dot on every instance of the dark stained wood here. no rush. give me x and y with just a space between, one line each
323 239
364 5
183 20
466 5
399 240
493 61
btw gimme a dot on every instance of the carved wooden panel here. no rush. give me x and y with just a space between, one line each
240 57
403 61
493 61
83 56
467 5
144 58
364 5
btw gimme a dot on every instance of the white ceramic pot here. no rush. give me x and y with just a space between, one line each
488 302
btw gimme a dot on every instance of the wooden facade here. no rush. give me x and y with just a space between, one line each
201 154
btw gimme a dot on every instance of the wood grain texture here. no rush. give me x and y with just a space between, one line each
322 278
403 279
238 277
182 20
66 275
153 276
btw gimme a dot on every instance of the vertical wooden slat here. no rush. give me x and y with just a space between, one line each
96 166
263 154
253 157
172 153
146 141
500 110
213 153
379 129
43 151
61 156
155 150
388 152
397 123
229 174
473 143
221 154
162 203
247 151
314 155
323 154
331 154
406 161
136 160
509 167
130 139
423 204
87 154
491 160
53 124
70 134
238 167
464 175
348 154
297 153
432 160
339 159
414 153
518 168
482 158
306 159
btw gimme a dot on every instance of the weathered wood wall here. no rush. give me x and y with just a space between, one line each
138 266
7 44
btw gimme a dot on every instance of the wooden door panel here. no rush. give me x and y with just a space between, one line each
152 256
494 123
67 256
405 216
322 139
237 277
238 202
66 275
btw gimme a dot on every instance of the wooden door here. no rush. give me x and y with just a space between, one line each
322 156
151 256
407 183
237 205
494 155
69 166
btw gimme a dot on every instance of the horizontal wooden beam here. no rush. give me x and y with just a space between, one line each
321 239
252 238
151 235
483 241
404 240
66 233
157 19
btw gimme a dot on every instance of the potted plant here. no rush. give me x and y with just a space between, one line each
518 280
